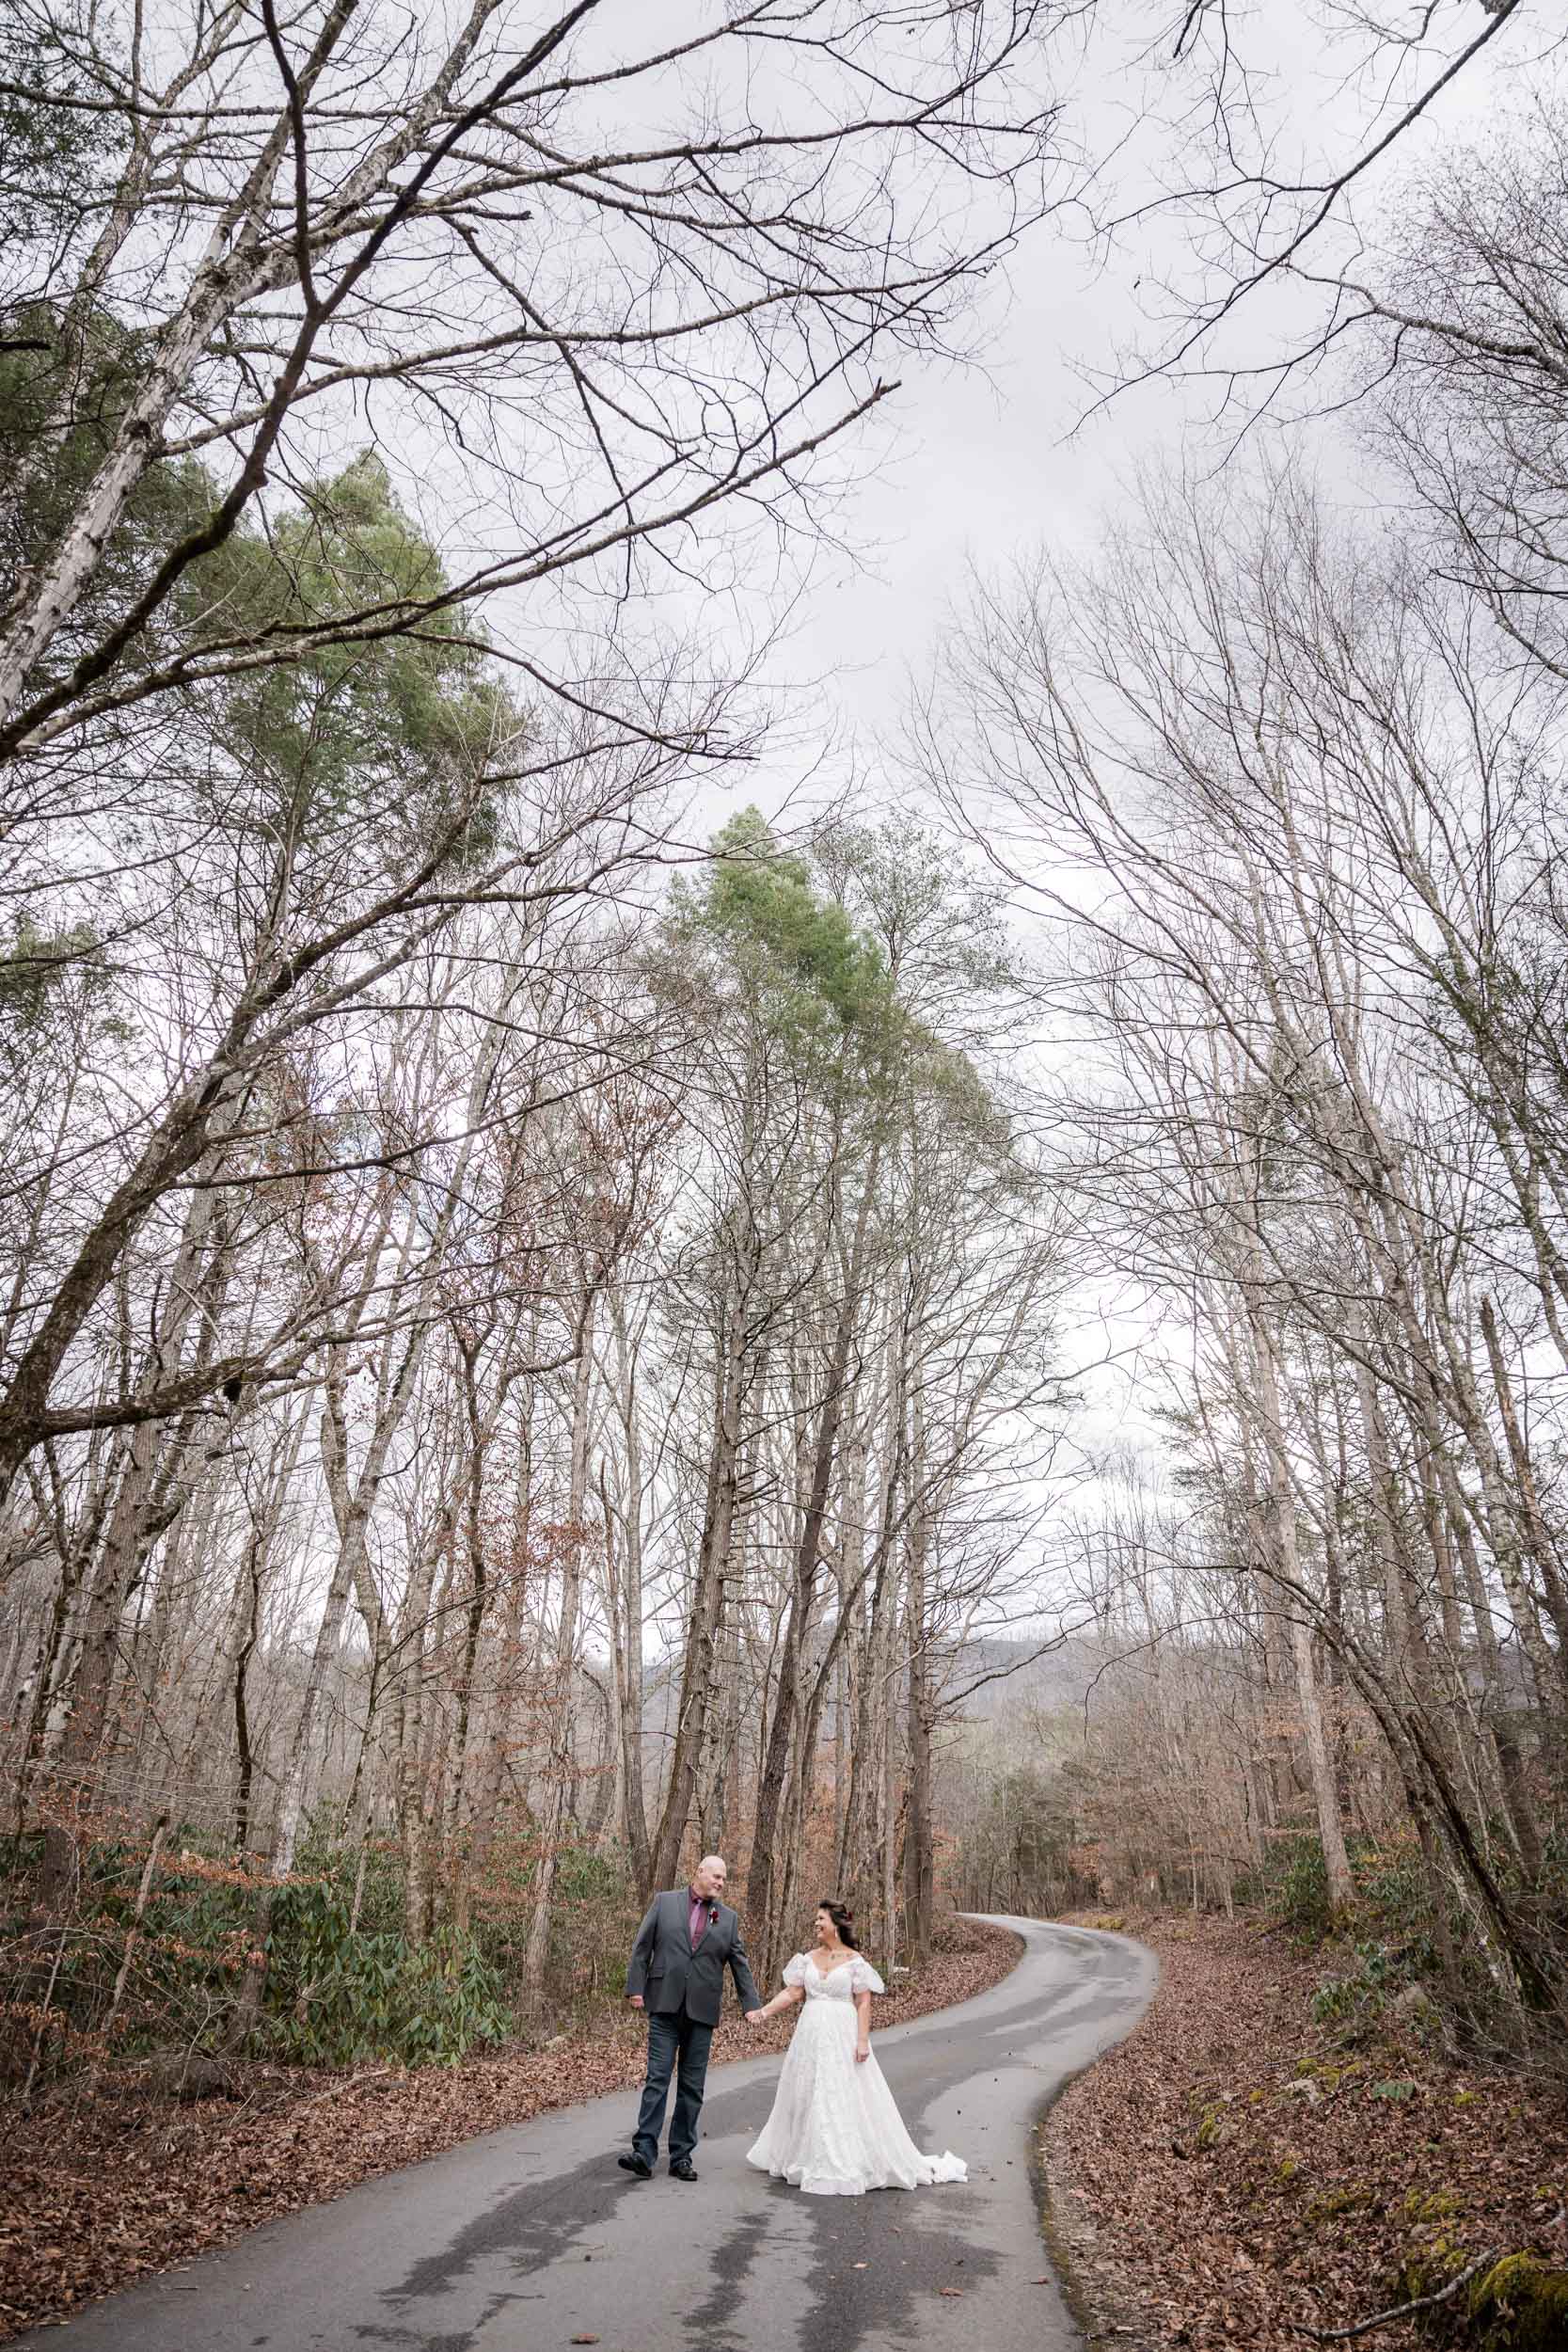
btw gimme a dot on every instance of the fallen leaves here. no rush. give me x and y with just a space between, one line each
1225 2203
131 2180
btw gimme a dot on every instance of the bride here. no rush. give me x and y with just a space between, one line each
835 2129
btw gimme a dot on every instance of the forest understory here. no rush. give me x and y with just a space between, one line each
100 2191
1245 2171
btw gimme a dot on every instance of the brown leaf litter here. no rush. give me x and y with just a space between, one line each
1236 2174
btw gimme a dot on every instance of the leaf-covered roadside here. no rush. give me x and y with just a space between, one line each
1237 2174
128 2181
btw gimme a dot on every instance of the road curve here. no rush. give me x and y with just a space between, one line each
531 2237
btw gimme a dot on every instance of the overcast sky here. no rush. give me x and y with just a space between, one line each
985 462
978 463
982 460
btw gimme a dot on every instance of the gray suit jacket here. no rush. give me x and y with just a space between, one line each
670 1975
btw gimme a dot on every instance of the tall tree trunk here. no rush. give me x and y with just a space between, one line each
766 1875
624 1596
699 1665
919 1836
552 1827
508 1683
1284 1548
1532 1518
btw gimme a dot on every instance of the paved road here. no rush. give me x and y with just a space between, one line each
522 2240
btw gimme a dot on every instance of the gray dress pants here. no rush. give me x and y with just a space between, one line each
678 2046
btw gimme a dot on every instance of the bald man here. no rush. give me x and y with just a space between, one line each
676 1975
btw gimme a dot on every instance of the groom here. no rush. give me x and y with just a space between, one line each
677 1974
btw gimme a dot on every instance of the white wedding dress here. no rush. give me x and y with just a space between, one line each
835 2129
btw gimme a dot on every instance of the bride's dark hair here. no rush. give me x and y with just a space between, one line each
844 1920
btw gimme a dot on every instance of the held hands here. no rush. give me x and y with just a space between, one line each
753 2016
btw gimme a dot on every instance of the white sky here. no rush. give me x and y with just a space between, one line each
983 460
974 464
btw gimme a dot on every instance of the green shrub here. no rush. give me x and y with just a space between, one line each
190 1952
592 1928
333 1999
1391 1886
1336 2001
1298 1888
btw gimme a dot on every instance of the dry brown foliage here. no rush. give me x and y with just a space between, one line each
1234 2176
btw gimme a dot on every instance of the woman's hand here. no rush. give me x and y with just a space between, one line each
863 2028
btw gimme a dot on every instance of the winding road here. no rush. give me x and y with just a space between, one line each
531 2237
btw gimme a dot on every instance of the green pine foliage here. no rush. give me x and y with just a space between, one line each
44 975
367 725
761 898
55 157
773 924
92 368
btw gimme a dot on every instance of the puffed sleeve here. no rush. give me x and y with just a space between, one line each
864 1978
794 1970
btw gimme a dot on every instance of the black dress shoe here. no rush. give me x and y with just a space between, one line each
684 2171
635 2163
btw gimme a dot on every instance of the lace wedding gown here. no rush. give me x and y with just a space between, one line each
835 2129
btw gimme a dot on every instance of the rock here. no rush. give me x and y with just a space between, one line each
189 2074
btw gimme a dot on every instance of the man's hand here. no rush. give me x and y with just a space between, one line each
636 2000
756 2017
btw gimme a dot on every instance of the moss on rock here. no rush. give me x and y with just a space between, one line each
1215 2126
1336 2202
1520 2305
1517 2304
1432 2205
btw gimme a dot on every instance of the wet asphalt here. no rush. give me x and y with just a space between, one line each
532 2238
